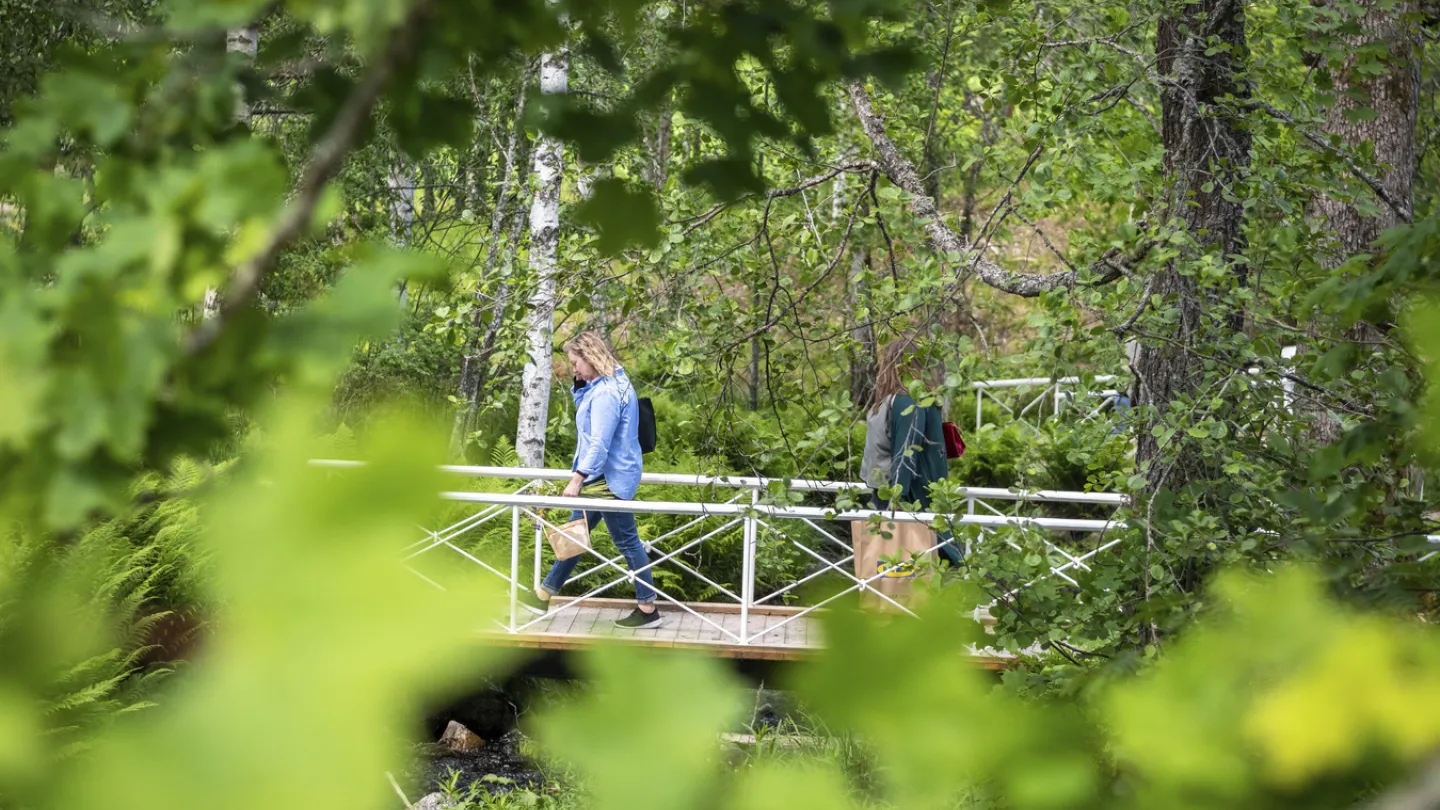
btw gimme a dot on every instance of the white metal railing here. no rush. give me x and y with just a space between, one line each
1054 392
747 510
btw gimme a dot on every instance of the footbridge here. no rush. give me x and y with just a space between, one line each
741 571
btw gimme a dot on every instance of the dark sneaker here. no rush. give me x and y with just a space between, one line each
532 603
640 620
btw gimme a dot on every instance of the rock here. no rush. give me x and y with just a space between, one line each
434 801
491 710
460 739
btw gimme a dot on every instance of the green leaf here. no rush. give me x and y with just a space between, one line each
670 704
622 214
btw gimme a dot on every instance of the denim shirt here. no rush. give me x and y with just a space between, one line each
607 421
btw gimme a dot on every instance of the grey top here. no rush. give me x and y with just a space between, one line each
875 463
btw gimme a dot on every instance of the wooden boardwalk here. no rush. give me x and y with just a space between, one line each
775 633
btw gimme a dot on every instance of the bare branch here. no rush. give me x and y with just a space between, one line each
945 241
716 210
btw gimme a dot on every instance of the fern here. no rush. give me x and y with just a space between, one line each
503 454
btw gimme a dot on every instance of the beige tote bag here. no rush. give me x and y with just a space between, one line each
895 557
570 540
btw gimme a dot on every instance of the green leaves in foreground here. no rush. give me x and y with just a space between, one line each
647 734
1280 699
318 661
622 215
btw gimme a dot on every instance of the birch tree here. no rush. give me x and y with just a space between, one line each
544 243
245 42
401 181
474 369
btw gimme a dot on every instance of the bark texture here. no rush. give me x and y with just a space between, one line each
1394 95
1200 49
1389 32
544 244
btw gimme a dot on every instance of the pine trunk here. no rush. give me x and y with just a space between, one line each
1394 95
1207 152
544 244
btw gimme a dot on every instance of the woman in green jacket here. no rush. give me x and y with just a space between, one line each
904 442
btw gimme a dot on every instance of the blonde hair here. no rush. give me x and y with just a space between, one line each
900 362
593 348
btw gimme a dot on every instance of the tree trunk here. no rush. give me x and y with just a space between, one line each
1394 95
544 244
246 42
1207 152
658 143
401 181
754 402
474 367
428 197
862 329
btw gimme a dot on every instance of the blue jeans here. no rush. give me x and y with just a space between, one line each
626 536
950 552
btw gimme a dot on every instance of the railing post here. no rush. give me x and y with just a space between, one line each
747 569
539 556
969 510
979 400
514 564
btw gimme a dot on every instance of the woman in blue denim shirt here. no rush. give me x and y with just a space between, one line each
607 465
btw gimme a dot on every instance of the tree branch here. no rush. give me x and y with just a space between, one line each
324 165
944 240
1401 211
902 173
773 194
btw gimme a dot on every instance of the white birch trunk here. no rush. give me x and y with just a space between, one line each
401 181
246 42
544 243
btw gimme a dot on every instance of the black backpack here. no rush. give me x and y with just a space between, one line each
646 426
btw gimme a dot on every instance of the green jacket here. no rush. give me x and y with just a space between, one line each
917 448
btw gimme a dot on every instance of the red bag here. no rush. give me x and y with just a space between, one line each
954 440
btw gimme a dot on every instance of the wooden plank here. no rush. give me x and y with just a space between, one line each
699 607
985 659
584 621
669 629
558 622
689 628
777 638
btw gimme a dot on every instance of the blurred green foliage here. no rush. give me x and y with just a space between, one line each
152 458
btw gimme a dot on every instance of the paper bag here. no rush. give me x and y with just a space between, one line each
895 557
570 540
